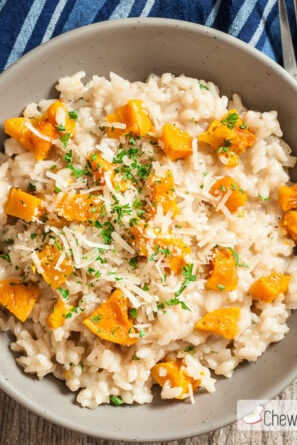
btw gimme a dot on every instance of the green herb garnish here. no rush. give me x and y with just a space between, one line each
73 114
116 401
188 273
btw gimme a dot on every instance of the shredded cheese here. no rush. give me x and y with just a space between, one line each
36 132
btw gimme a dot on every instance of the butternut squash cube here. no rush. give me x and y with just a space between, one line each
150 243
287 197
266 289
176 377
110 320
83 208
16 128
163 194
228 137
57 113
224 185
134 116
101 166
58 314
45 125
23 205
289 222
18 297
221 321
177 143
222 274
54 275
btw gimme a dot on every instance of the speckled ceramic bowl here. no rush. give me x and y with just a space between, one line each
134 48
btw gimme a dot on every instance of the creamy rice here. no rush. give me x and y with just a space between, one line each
95 368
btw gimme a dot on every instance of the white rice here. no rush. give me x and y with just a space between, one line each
97 369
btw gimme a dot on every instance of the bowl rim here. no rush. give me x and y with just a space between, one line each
6 386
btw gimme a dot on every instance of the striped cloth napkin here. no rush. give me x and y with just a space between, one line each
25 24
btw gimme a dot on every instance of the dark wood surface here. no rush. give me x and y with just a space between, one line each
18 426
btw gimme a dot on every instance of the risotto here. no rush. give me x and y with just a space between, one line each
147 236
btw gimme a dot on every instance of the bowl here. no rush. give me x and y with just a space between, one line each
134 48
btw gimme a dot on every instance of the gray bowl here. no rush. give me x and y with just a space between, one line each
134 48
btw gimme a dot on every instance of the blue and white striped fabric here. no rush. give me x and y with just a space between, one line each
26 24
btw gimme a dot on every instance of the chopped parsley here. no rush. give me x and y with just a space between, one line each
158 249
190 350
188 273
60 128
133 262
77 172
64 293
175 301
221 287
68 157
9 241
243 126
31 187
263 198
230 120
120 210
141 333
133 312
59 247
33 235
116 329
116 401
134 357
5 257
73 114
65 139
96 318
107 231
202 87
133 222
236 257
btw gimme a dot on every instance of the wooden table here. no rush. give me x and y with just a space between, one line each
20 426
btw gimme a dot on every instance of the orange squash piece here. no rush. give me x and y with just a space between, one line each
101 166
58 314
45 125
221 321
56 109
82 208
238 196
222 274
176 377
177 143
23 205
174 249
287 197
163 194
266 289
289 222
110 320
228 137
16 128
134 116
18 297
52 274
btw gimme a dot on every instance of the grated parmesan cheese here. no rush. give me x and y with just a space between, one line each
36 132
